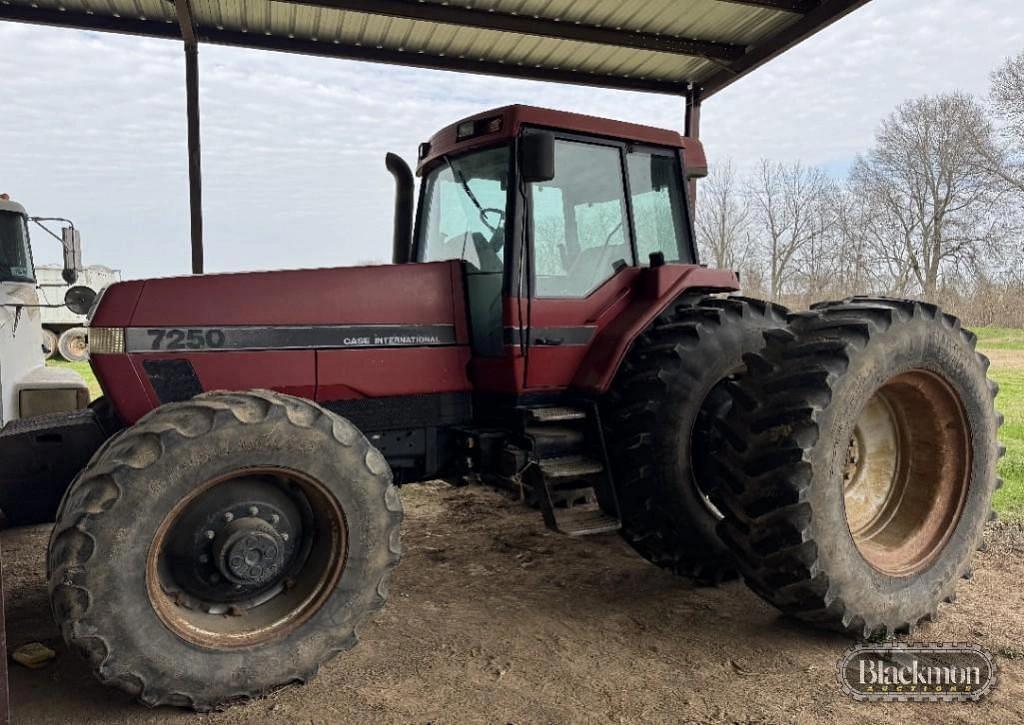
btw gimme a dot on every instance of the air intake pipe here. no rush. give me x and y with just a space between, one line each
403 208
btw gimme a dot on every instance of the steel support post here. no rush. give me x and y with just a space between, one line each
692 130
195 173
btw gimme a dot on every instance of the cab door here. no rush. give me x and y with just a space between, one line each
592 227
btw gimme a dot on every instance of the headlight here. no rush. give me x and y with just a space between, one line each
106 340
52 400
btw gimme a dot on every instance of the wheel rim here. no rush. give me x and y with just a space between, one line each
715 406
246 558
907 472
78 346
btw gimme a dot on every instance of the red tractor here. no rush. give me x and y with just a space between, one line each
227 514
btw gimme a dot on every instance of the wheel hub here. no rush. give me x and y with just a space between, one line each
249 552
907 472
235 547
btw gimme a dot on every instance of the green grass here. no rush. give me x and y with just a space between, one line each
83 369
1009 501
999 338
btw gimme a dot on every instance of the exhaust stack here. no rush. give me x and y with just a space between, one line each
402 242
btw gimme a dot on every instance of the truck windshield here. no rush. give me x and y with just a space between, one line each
463 209
15 255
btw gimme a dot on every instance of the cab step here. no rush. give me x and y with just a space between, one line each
555 414
583 521
570 467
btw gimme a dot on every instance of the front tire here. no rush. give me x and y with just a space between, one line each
223 547
860 463
658 415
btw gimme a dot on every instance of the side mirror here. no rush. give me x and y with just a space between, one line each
537 157
79 299
72 244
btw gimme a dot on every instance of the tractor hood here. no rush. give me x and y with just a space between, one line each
407 296
325 334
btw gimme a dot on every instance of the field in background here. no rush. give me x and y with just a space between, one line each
83 369
1005 347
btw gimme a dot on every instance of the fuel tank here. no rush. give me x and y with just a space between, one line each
337 336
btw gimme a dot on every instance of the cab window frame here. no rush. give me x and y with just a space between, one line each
526 199
688 248
511 222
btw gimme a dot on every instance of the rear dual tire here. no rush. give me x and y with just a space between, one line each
858 464
658 417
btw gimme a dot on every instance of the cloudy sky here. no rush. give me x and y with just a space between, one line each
92 127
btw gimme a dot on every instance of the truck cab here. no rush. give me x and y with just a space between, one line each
27 386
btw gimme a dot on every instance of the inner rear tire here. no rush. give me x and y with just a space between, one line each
658 416
223 547
859 464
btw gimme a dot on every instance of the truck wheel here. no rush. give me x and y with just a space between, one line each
658 414
859 464
223 547
49 343
73 344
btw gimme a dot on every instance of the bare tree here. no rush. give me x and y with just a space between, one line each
934 207
1006 159
723 218
789 205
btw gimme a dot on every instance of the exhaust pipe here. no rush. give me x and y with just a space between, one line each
402 242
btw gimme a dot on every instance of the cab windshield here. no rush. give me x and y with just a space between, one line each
15 255
465 199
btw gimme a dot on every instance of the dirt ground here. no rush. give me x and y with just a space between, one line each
493 619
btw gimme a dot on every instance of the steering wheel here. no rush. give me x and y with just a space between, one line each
492 210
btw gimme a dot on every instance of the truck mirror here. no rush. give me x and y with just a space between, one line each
79 299
537 157
72 254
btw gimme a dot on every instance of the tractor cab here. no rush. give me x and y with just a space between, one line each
557 218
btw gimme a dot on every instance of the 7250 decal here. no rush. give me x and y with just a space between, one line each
186 339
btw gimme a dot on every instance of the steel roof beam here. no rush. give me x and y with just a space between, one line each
170 30
435 12
826 13
186 21
789 6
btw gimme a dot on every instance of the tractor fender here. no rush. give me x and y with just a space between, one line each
656 289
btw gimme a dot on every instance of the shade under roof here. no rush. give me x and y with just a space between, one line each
663 46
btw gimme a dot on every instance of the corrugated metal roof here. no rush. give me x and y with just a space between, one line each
657 45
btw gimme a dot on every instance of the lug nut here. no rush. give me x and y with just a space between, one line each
284 537
203 559
211 535
254 511
229 517
275 519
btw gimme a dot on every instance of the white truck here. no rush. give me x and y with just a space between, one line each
28 387
64 331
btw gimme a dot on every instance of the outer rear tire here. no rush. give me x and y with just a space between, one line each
109 598
808 430
73 344
49 343
657 415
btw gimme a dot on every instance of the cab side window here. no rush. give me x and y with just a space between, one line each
655 185
578 221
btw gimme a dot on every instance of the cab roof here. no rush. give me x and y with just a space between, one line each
497 124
